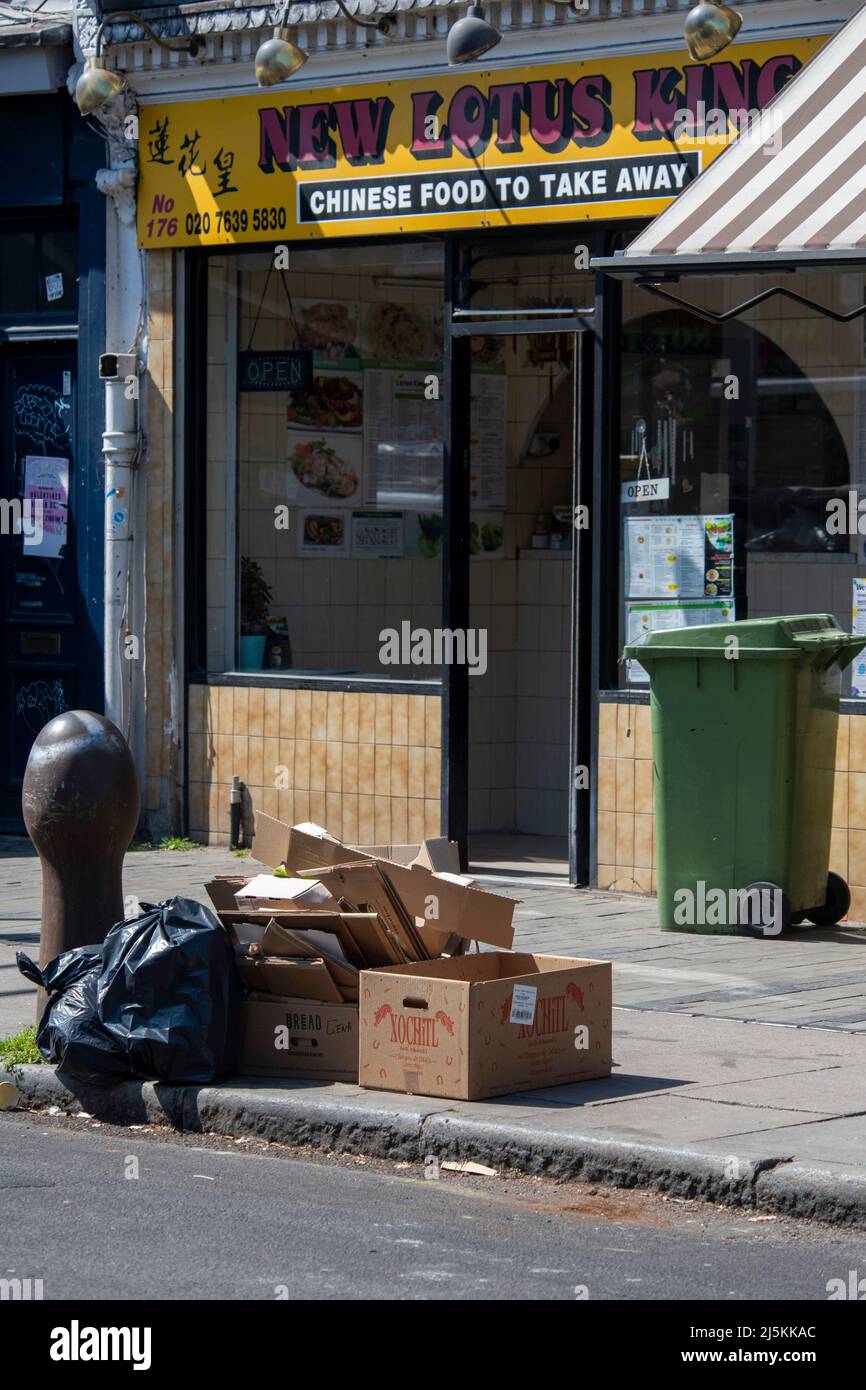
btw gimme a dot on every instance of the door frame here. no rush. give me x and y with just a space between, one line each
458 329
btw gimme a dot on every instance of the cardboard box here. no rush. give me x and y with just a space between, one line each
485 1024
288 977
298 1037
284 894
309 846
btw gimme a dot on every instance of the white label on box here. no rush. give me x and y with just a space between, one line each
523 1004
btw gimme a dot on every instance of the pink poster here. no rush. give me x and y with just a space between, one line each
46 500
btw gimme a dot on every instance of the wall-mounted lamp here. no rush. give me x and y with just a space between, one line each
98 84
470 37
709 28
278 58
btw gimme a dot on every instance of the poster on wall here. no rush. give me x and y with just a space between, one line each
488 427
679 556
46 490
377 535
401 333
330 328
402 438
858 628
487 535
323 534
324 467
333 400
664 614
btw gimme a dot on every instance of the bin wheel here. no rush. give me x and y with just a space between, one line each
835 906
780 911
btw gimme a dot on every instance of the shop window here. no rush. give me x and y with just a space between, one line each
37 269
324 460
544 275
736 443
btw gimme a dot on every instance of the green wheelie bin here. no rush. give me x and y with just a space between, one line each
744 720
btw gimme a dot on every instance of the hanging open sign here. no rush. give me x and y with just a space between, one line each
646 490
287 370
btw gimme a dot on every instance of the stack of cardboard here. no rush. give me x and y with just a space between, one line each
304 933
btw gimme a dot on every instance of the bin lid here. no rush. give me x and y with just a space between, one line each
807 632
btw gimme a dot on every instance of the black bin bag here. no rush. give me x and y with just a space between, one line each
160 1000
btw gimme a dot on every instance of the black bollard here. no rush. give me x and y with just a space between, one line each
80 801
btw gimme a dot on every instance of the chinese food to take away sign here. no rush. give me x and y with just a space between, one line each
603 138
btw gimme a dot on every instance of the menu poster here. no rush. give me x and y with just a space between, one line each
679 556
323 534
402 438
858 628
488 427
377 535
325 468
46 490
660 614
334 401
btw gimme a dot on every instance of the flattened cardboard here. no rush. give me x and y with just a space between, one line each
287 894
287 977
366 887
443 1028
298 1038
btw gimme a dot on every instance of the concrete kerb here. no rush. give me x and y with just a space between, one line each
412 1133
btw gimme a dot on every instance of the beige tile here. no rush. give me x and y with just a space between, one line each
416 760
432 819
240 759
334 767
839 852
303 716
256 761
226 709
241 716
198 757
301 775
433 721
273 760
286 807
333 821
399 770
641 879
382 819
318 765
624 839
319 715
416 721
399 820
624 732
840 798
224 757
432 772
856 799
350 770
607 784
416 820
197 796
607 730
643 842
366 820
383 719
367 721
606 876
269 801
195 717
643 786
350 818
351 715
256 713
335 716
400 719
272 713
606 837
302 807
366 770
643 738
857 910
851 744
319 808
625 784
382 771
287 714
857 857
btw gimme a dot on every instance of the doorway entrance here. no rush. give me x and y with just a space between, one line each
43 648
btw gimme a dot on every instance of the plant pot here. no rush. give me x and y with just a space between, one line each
251 653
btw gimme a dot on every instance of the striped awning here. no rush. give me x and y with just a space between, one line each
793 186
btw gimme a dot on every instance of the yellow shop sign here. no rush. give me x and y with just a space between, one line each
603 138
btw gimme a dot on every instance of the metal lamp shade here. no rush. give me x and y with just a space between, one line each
709 28
470 37
278 58
96 86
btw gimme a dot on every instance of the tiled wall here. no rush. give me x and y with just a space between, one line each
161 803
626 824
365 766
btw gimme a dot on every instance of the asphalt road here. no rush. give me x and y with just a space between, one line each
98 1212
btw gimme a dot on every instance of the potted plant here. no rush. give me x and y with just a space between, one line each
256 599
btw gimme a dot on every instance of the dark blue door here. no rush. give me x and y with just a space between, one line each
42 650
